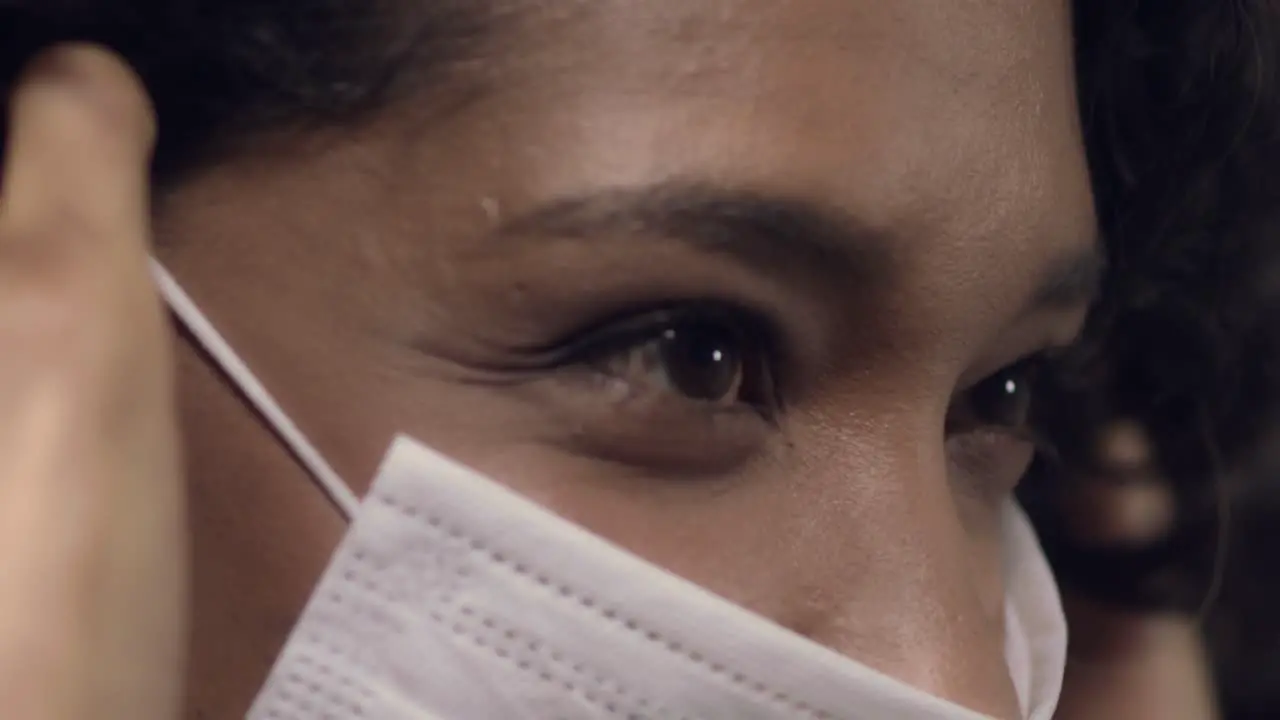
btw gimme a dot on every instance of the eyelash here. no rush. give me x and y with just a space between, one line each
749 349
633 348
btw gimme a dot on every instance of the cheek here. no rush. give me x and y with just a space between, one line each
983 468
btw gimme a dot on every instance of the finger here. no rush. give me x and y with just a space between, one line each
1103 513
80 139
91 517
75 295
1134 666
1123 447
1128 503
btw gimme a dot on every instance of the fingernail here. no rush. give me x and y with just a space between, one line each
102 81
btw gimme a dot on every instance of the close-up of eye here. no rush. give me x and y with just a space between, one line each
712 359
1005 399
992 426
997 420
688 390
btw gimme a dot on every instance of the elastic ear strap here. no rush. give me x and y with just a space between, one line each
239 373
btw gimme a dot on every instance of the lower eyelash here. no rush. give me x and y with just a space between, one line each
670 435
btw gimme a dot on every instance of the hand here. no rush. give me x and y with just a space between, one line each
1124 665
92 536
1135 667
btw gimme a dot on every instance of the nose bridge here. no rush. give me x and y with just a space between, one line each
915 612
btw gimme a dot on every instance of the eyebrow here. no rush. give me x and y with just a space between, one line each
771 235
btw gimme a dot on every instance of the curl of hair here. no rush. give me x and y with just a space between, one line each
1180 106
222 73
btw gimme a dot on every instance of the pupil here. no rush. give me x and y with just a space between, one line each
703 361
1004 400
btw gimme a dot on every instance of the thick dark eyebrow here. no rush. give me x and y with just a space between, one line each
768 234
771 235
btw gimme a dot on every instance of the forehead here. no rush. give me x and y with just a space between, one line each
951 124
856 69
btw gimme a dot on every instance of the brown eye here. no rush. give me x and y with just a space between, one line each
709 358
1004 399
702 361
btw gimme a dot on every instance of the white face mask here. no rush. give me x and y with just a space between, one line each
452 597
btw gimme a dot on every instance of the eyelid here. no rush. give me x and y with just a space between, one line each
623 330
629 332
1045 356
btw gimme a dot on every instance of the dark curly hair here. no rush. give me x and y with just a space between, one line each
1181 108
1180 103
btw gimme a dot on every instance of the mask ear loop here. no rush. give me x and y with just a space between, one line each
220 350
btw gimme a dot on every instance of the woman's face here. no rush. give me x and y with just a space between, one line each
750 287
